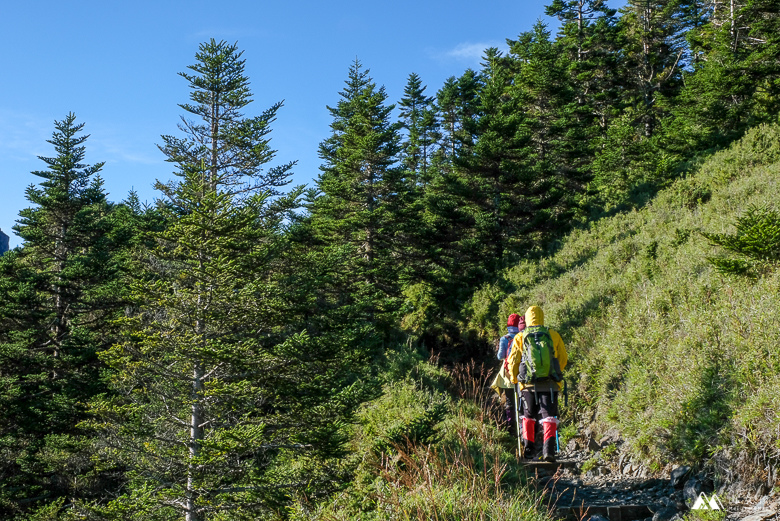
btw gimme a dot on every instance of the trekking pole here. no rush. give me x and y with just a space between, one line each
517 421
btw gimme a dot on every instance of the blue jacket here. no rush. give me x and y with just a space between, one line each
505 344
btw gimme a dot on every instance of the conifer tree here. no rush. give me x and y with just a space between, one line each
466 204
589 38
225 404
235 148
756 243
491 166
58 295
362 189
653 32
420 158
578 17
455 101
732 84
421 124
557 129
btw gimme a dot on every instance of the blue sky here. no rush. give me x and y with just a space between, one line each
115 65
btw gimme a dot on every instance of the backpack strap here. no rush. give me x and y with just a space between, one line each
524 359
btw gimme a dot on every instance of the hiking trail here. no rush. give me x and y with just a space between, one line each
594 480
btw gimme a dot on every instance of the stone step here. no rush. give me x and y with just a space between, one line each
616 512
547 466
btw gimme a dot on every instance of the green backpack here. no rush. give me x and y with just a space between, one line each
539 363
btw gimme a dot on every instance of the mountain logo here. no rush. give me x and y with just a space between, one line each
702 503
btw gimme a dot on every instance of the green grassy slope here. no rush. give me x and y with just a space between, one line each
684 361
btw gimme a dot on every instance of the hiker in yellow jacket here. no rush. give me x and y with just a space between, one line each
536 363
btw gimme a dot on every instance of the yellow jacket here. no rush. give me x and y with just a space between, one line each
534 317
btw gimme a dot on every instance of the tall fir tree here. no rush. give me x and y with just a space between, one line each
578 18
653 36
589 38
234 147
420 122
456 101
468 207
362 189
631 160
732 82
557 126
59 293
224 401
421 155
490 164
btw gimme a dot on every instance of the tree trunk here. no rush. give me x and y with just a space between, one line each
214 142
58 328
196 414
196 436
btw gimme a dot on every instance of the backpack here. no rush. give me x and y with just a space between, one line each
539 363
509 338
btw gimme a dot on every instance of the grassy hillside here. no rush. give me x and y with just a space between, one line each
683 360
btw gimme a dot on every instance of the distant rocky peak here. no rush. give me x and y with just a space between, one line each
4 241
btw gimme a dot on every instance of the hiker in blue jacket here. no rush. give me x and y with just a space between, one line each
502 383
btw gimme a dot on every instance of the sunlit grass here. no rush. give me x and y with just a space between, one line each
680 358
466 471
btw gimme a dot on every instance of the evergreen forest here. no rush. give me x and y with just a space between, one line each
244 349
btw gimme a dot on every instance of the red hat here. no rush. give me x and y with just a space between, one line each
513 320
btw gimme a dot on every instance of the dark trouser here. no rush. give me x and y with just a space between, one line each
542 403
536 402
509 408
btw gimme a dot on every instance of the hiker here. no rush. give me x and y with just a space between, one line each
502 383
536 363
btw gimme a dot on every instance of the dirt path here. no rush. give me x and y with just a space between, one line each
594 480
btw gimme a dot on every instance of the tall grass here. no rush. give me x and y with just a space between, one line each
467 478
683 360
466 470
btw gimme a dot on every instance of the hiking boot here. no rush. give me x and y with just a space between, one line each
549 445
528 452
548 450
509 424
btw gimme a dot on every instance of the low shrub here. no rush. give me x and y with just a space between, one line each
462 469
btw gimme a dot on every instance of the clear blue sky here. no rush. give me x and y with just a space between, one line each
115 65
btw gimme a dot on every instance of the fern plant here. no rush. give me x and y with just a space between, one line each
756 243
